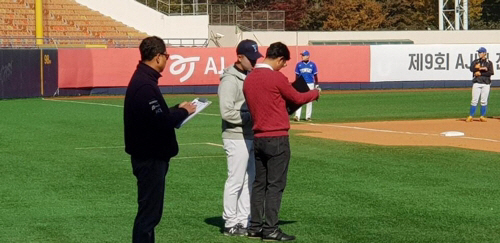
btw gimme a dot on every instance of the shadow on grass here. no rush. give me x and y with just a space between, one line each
219 222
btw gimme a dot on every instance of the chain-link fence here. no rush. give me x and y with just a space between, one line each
225 14
178 7
261 20
221 14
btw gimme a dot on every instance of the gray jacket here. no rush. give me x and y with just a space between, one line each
236 120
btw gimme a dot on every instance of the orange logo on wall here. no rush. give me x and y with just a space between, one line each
46 60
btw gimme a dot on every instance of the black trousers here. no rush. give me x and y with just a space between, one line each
272 156
150 174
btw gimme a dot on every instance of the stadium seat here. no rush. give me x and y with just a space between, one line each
65 19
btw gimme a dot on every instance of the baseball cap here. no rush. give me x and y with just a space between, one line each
481 50
305 53
249 48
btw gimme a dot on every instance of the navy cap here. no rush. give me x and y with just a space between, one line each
249 48
482 50
305 53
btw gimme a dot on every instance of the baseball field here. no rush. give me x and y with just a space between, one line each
371 167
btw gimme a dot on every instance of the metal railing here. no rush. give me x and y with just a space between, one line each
178 7
70 42
221 14
228 14
186 42
360 42
261 20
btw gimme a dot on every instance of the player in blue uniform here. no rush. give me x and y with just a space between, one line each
308 70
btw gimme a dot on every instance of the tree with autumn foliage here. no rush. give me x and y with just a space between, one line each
409 14
421 14
295 11
490 16
354 15
475 10
491 10
314 18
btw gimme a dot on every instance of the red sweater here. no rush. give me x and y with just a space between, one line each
265 92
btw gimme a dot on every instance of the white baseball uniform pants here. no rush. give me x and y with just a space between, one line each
309 106
240 177
480 90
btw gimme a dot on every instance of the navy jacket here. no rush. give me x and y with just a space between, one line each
149 123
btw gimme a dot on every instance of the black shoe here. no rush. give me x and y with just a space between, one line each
278 235
254 235
236 230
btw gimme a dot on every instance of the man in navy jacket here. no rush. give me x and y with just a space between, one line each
149 135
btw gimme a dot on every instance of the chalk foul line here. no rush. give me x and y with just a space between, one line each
399 132
111 105
121 147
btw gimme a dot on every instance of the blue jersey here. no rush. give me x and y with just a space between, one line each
307 70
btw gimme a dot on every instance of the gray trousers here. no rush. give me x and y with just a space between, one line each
272 156
240 176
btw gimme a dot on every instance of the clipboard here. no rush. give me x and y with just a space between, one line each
301 86
201 104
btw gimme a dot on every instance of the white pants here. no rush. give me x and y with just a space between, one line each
482 90
309 106
240 177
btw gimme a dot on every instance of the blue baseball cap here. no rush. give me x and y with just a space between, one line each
305 53
482 50
249 48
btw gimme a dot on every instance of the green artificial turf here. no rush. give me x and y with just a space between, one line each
66 178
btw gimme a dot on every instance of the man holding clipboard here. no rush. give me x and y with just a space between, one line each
150 136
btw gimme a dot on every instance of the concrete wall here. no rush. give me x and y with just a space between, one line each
232 35
150 21
300 38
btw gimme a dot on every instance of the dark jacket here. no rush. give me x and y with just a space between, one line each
149 123
485 77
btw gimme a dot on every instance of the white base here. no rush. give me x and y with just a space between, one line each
452 134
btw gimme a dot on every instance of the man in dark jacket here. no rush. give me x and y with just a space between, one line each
149 135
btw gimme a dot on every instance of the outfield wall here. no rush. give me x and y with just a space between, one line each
28 73
363 66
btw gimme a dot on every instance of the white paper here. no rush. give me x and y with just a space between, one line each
201 104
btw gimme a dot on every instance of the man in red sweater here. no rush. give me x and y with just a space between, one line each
266 91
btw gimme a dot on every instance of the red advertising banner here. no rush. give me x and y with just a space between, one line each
336 64
89 68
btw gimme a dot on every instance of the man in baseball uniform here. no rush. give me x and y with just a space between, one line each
237 136
308 70
482 69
